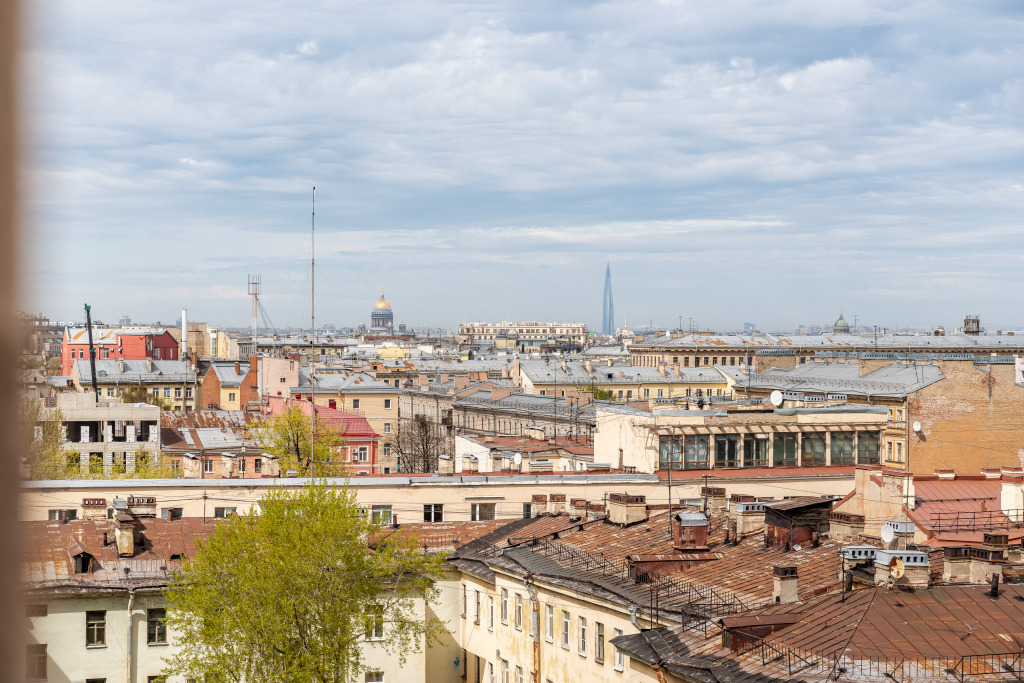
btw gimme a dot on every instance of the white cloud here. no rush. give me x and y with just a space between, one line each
520 145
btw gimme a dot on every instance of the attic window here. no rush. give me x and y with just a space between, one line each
83 563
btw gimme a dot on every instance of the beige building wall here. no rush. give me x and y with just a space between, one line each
407 496
70 660
500 636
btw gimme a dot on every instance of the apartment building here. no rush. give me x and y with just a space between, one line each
624 381
123 343
946 411
486 334
761 439
765 351
172 381
222 385
107 437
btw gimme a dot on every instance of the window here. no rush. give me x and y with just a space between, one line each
257 465
490 613
519 611
842 448
188 393
785 450
812 450
527 510
387 404
387 450
355 404
231 397
375 622
387 427
867 448
171 513
504 605
177 392
476 607
156 391
565 629
110 391
549 623
464 591
374 677
35 610
583 636
57 515
519 674
380 514
103 680
504 671
363 454
647 393
35 662
695 452
95 629
727 451
619 665
156 626
661 393
479 512
167 392
241 465
599 643
208 465
433 512
223 512
387 470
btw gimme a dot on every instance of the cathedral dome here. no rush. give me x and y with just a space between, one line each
382 304
841 326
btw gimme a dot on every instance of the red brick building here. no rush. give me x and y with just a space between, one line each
144 343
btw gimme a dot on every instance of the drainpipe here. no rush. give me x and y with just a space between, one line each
535 616
128 645
632 609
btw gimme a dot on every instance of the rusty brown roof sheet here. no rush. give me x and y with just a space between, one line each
48 562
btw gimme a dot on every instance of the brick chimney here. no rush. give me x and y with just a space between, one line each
784 585
124 534
624 509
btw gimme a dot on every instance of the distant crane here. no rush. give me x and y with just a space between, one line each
92 352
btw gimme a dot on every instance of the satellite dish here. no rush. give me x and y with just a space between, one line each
887 533
776 398
896 568
517 459
917 426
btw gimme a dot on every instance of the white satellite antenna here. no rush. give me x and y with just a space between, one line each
517 459
888 534
897 568
917 426
775 398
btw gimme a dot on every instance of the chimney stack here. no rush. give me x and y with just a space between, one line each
624 509
690 530
784 585
124 535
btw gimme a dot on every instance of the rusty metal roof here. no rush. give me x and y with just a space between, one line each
48 562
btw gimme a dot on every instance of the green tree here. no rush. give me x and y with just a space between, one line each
287 436
44 434
289 594
137 393
599 393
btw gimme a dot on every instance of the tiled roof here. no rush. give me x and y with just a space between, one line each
132 371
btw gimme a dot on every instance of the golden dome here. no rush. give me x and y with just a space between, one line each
382 304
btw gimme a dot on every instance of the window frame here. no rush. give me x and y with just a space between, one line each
156 626
582 631
599 642
549 623
519 611
566 627
619 662
95 628
504 606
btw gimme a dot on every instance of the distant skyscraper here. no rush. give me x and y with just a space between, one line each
608 316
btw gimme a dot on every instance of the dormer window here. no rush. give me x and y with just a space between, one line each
83 563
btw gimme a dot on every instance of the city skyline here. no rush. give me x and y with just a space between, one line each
473 161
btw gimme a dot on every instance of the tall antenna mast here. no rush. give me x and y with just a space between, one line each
312 267
312 316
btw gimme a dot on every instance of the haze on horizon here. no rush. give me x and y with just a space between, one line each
732 161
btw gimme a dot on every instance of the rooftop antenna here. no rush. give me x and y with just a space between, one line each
254 292
312 316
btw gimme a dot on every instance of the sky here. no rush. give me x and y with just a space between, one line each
771 162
